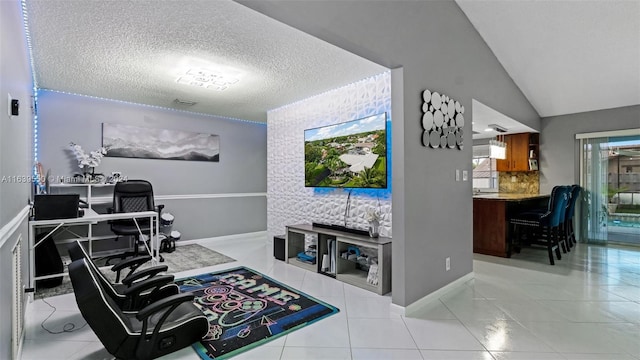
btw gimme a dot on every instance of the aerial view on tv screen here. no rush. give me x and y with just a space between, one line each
352 154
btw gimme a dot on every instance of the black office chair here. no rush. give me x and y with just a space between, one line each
158 329
133 196
138 288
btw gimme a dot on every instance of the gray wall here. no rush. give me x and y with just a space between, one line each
15 154
439 50
242 167
559 149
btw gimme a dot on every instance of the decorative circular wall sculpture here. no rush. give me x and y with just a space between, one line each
442 121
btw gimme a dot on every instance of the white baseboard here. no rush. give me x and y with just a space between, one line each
222 238
414 306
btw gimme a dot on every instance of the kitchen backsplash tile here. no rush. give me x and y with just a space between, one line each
525 182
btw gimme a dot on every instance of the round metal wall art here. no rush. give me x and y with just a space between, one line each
442 121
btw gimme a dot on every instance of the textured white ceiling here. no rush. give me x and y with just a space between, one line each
566 56
134 51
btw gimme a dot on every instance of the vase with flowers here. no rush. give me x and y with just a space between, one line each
374 217
88 162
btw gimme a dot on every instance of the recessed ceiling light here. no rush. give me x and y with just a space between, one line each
488 129
207 79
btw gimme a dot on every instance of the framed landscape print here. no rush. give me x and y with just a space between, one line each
153 143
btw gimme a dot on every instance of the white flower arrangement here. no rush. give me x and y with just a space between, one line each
373 215
92 159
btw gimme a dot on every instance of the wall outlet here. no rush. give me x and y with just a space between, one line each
465 175
447 263
457 175
513 178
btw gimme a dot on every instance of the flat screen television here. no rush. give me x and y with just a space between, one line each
351 154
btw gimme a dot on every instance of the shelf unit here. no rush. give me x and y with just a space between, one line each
88 191
534 152
347 271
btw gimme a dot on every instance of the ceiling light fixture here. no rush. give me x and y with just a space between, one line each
207 79
497 149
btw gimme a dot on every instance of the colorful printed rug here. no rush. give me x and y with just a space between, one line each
246 309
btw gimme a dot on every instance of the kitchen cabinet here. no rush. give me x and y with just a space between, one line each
522 153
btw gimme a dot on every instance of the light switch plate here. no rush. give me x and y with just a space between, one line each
457 175
465 175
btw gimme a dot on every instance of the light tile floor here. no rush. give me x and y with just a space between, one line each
587 307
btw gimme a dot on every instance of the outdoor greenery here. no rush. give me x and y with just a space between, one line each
628 209
612 191
323 166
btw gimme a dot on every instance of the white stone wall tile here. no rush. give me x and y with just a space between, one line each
288 200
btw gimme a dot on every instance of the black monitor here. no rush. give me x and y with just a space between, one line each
58 206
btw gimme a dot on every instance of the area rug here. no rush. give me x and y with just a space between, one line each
246 309
185 257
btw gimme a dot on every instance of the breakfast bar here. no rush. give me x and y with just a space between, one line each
491 214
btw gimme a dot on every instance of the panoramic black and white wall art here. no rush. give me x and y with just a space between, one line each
153 143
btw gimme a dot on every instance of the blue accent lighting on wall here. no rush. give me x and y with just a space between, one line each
27 35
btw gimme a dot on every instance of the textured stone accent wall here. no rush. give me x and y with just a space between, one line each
526 182
288 200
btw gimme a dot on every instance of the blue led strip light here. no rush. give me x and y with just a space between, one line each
27 34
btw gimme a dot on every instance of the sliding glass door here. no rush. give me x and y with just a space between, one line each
610 177
593 182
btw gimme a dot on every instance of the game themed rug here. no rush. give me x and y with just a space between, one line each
246 309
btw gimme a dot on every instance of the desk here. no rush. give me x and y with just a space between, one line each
90 218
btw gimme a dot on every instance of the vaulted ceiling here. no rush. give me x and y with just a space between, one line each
565 56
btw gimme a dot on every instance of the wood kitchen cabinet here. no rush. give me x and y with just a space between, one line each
520 147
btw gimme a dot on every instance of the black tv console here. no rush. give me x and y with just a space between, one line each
341 228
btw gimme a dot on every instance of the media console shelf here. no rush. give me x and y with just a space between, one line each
345 270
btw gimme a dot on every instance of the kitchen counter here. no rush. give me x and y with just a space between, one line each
509 197
491 213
